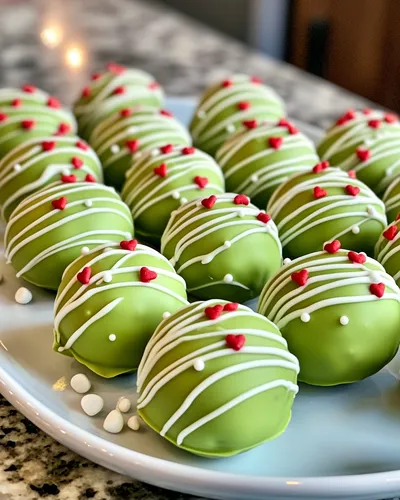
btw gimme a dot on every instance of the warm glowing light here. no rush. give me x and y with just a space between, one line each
51 36
74 57
292 483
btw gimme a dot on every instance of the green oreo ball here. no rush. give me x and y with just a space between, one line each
339 313
391 199
217 379
50 228
123 137
325 204
223 246
226 104
256 160
160 182
366 142
40 161
102 307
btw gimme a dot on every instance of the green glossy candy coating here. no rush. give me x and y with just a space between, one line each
152 197
340 331
219 114
145 130
306 219
30 166
374 136
391 199
221 394
109 320
41 240
251 165
223 251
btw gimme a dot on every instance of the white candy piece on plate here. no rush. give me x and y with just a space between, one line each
92 404
23 295
80 383
134 423
124 405
114 422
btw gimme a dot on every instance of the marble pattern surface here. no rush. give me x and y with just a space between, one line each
184 56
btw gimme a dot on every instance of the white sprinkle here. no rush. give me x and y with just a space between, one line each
166 315
201 113
305 317
355 229
176 195
227 244
344 320
230 128
228 278
199 365
113 422
92 404
115 148
134 423
375 276
107 276
66 171
88 203
124 405
80 383
207 259
254 178
241 213
155 152
23 296
112 337
17 167
287 261
371 210
85 250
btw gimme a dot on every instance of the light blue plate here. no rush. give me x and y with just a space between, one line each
342 443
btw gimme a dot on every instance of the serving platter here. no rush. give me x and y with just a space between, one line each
342 442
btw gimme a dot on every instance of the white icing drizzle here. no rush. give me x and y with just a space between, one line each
391 197
386 249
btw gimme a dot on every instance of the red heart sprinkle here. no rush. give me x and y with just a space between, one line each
209 202
161 170
292 129
115 68
126 112
168 148
390 232
300 277
320 167
90 178
16 103
231 306
349 115
390 118
250 124
358 258
63 129
200 181
398 216
263 217
76 162
147 275
165 112
275 142
363 154
374 123
377 289
352 174
85 275
82 145
28 124
154 85
189 150
53 102
69 179
132 145
319 192
283 122
367 111
227 83
86 92
256 79
241 199
352 190
60 204
128 245
95 76
243 105
119 90
332 247
48 145
3 117
213 312
30 89
235 342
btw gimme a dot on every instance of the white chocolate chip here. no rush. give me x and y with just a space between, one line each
134 423
176 195
355 230
23 296
124 405
107 276
115 148
344 320
166 315
92 404
112 337
113 422
228 278
88 203
85 250
305 317
287 261
80 383
199 365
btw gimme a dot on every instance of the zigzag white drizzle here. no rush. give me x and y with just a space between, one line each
180 329
283 309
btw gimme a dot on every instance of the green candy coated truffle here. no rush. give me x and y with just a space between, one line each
227 249
48 229
157 184
125 136
115 89
29 112
257 160
106 323
40 161
217 387
312 208
339 312
387 250
391 199
366 142
226 104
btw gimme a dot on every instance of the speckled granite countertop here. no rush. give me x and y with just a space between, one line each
184 57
